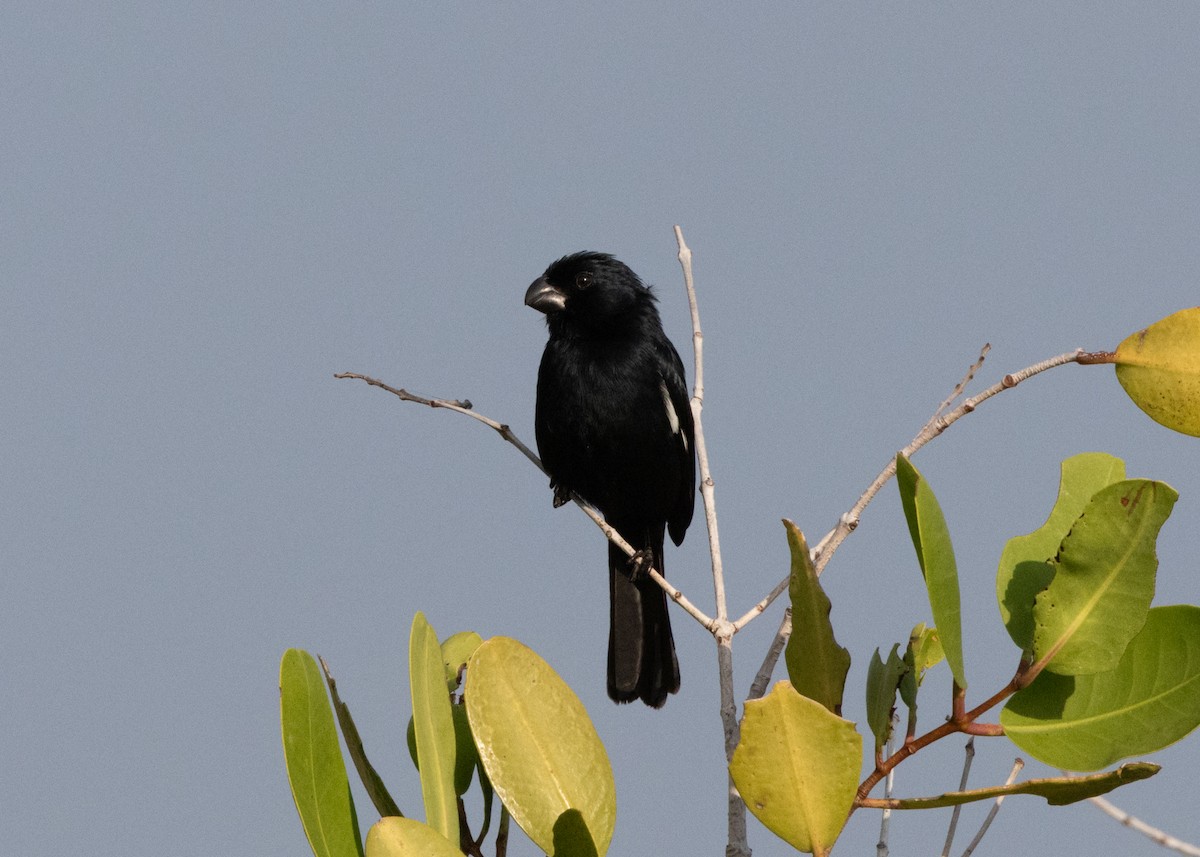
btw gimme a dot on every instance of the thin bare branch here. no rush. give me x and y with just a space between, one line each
832 540
885 822
737 844
762 678
1153 833
464 408
967 379
707 492
936 425
987 822
968 758
755 611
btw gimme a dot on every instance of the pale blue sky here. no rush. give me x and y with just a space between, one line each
208 209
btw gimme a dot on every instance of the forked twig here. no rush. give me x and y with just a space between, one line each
991 816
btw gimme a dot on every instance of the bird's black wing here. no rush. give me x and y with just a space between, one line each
679 411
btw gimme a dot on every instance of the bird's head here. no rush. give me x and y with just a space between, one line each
590 290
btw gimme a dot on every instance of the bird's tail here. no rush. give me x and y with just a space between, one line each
641 651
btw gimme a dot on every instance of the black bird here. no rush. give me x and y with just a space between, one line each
614 425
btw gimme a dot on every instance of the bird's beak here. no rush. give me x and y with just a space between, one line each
543 297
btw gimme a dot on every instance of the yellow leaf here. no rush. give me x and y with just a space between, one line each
404 837
1159 367
797 768
540 749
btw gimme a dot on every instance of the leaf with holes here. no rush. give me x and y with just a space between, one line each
1151 700
1103 579
1025 568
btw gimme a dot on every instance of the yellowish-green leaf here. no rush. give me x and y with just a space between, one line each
883 680
1025 568
931 539
797 768
816 664
371 780
455 650
405 837
1057 791
1151 700
315 768
924 651
433 727
1159 367
926 648
1103 579
466 757
540 750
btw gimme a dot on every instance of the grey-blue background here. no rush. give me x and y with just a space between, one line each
208 209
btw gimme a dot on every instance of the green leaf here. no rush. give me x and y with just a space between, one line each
371 780
931 538
1024 565
883 679
926 648
455 650
540 749
923 652
1057 791
315 768
1103 579
1151 700
485 786
1159 367
404 837
466 757
816 664
433 726
797 768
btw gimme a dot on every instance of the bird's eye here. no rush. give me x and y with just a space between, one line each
583 280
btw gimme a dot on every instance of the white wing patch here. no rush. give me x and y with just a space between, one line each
672 417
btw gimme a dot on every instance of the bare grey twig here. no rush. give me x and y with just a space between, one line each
991 816
967 379
968 758
464 408
737 844
762 678
937 424
885 821
1155 835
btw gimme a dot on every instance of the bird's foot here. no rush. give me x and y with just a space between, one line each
639 565
561 496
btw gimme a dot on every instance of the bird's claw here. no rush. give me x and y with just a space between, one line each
561 496
639 564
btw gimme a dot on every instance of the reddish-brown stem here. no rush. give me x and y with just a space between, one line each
990 730
960 721
1087 358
